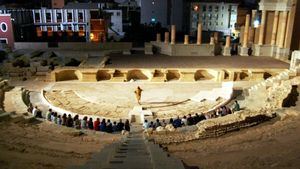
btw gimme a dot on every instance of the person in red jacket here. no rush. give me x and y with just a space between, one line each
96 124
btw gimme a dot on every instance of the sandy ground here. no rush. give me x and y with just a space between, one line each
46 145
270 145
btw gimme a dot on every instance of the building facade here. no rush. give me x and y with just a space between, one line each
6 31
214 16
83 19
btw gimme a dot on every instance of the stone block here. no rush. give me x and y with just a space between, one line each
227 51
243 51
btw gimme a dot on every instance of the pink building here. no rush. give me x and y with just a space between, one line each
6 30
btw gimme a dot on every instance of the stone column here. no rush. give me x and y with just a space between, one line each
186 39
275 28
228 39
212 40
158 39
262 28
227 48
167 37
173 34
253 17
246 32
283 29
216 37
199 34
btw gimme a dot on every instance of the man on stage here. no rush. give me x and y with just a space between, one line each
138 94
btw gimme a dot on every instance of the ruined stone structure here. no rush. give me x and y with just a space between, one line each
274 35
160 75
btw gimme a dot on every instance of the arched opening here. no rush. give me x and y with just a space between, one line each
136 75
203 75
267 75
173 75
118 73
243 76
103 75
158 73
226 75
65 75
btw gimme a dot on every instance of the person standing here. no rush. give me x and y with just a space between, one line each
138 94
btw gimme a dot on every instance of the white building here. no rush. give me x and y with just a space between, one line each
214 16
76 17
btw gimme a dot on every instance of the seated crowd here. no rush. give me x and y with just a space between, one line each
85 123
191 120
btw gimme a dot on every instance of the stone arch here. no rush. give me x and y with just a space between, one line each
136 75
65 75
203 75
103 75
173 75
244 76
158 73
267 75
118 73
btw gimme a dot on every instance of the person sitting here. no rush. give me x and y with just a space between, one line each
52 116
49 114
219 112
77 122
190 120
102 126
96 124
69 121
55 118
127 125
163 123
59 120
177 122
114 127
228 111
145 125
39 114
196 118
64 120
184 121
84 122
157 124
202 117
224 111
90 124
151 125
236 106
109 126
120 125
171 121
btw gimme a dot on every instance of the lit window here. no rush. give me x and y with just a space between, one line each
3 27
153 2
153 20
196 7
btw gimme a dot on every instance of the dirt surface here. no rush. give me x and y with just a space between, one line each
35 144
271 145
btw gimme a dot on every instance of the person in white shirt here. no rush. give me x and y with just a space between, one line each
145 125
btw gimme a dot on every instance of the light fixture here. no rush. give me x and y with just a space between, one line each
256 23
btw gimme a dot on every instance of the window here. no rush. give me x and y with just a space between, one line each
204 8
48 17
58 17
80 16
118 13
216 8
210 8
3 27
37 17
69 15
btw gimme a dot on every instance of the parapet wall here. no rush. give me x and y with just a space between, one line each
160 75
184 49
119 46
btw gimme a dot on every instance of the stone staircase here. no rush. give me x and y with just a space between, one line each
133 152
